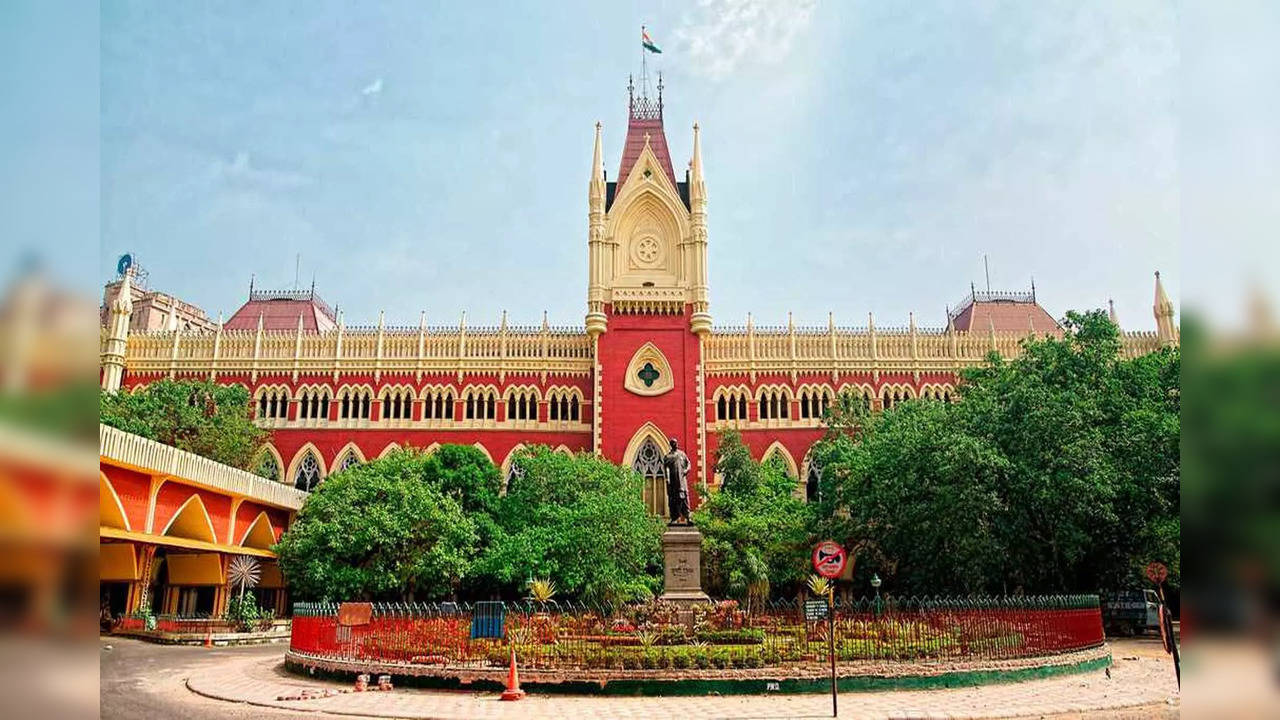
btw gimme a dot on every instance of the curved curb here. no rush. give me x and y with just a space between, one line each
760 684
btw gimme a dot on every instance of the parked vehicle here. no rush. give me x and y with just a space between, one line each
1127 612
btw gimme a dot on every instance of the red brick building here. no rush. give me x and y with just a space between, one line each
648 363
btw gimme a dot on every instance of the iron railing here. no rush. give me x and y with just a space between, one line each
720 635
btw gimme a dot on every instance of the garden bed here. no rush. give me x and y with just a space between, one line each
802 677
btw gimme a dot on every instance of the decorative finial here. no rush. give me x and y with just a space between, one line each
251 278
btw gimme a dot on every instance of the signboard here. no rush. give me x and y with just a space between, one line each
829 559
815 610
353 614
1157 573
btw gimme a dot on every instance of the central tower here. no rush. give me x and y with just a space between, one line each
647 300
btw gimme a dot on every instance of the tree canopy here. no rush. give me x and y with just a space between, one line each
390 529
417 526
580 522
1058 470
205 418
756 531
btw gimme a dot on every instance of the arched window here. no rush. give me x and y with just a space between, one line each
812 481
732 405
481 403
313 404
268 467
814 403
397 404
348 460
307 477
273 404
354 403
563 405
648 463
774 404
437 404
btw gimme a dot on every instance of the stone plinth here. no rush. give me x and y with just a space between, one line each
682 562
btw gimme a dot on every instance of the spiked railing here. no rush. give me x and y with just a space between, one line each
723 635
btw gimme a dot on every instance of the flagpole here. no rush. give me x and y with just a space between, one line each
644 71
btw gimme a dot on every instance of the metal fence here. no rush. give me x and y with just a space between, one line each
720 635
190 625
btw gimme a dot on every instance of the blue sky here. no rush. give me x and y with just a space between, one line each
859 157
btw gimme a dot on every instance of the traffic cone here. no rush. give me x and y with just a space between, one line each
208 637
513 691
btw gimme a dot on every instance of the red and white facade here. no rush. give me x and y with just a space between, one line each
648 364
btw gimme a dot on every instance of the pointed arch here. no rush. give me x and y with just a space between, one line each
646 431
390 448
192 522
511 456
431 449
110 510
267 450
260 534
480 446
562 448
298 457
777 448
509 470
349 452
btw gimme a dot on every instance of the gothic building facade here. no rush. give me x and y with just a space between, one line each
648 364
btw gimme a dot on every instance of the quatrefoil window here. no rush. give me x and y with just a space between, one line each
648 374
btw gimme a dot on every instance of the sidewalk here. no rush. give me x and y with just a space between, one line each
1136 680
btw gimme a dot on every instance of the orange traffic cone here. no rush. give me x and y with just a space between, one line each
513 691
208 637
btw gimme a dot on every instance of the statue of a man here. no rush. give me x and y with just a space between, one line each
676 465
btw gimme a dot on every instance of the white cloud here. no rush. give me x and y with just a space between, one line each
720 35
241 171
372 88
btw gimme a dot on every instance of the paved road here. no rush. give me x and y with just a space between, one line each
141 680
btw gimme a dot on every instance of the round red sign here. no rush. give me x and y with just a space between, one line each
829 559
1157 572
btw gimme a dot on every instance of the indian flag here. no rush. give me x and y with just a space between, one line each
647 42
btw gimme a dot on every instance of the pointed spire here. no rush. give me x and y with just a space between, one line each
831 321
219 321
381 318
422 321
503 325
791 325
300 323
597 166
260 322
697 188
1163 310
251 279
341 319
171 322
1111 312
123 302
545 325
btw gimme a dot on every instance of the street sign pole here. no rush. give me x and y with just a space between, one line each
831 642
829 560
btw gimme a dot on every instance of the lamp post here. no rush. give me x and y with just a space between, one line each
875 583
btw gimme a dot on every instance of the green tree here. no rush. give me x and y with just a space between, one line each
201 417
384 530
578 521
756 531
1057 470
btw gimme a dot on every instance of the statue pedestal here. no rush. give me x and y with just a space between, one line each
682 562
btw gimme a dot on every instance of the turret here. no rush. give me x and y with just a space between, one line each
1166 330
117 342
700 323
597 323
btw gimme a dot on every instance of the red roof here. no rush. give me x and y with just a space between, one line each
280 310
980 314
637 129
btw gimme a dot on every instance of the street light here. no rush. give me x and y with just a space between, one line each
875 583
